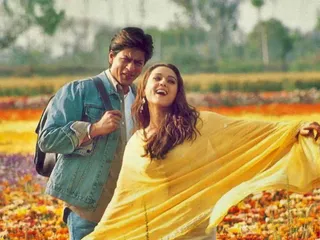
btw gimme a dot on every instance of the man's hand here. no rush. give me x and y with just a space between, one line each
109 122
313 130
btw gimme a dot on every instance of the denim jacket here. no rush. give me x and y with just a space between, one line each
81 171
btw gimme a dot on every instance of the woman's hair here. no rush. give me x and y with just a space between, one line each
132 37
179 123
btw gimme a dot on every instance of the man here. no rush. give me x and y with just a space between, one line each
89 140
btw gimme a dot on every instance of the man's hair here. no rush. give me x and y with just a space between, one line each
132 37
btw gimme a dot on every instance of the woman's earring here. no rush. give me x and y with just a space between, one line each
143 102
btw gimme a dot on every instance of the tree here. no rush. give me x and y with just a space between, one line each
218 16
280 43
317 28
142 11
263 36
101 45
191 9
20 16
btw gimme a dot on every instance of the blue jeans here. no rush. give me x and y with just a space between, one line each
78 227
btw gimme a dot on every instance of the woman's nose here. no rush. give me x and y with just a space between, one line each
163 82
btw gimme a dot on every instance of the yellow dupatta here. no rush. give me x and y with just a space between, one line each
168 199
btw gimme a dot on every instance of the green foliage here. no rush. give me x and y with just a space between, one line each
49 70
317 27
261 86
193 87
180 37
50 19
305 65
102 39
255 86
219 17
205 44
186 60
218 86
214 87
288 85
239 66
29 91
280 43
22 15
307 85
305 50
257 3
20 56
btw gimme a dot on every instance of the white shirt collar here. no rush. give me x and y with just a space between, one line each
114 82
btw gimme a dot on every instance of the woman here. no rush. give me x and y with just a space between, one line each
180 162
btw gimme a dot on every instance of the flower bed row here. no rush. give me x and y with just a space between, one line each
28 213
224 98
234 98
275 109
247 82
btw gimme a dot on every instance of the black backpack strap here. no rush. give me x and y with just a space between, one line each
43 117
103 93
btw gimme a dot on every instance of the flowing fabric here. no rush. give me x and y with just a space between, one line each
193 188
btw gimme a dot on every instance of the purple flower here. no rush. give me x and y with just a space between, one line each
14 166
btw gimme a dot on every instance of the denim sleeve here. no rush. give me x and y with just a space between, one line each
65 109
84 148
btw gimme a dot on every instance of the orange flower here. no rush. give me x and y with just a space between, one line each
20 114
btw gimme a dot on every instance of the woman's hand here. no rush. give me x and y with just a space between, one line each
312 130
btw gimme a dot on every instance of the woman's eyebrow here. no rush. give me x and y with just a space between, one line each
170 76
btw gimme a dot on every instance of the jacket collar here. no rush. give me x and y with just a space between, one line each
107 83
110 87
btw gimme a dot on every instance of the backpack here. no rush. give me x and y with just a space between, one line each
45 162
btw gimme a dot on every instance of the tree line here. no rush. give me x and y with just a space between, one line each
208 40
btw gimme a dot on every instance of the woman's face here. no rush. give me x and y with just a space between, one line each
162 87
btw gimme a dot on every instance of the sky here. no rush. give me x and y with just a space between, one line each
161 13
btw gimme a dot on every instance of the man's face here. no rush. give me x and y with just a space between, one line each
126 66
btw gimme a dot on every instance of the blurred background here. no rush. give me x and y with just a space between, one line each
52 37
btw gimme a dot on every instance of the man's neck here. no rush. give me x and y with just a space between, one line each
115 82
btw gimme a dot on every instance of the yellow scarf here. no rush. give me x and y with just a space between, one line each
201 180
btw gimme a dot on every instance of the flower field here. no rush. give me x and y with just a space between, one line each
27 213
